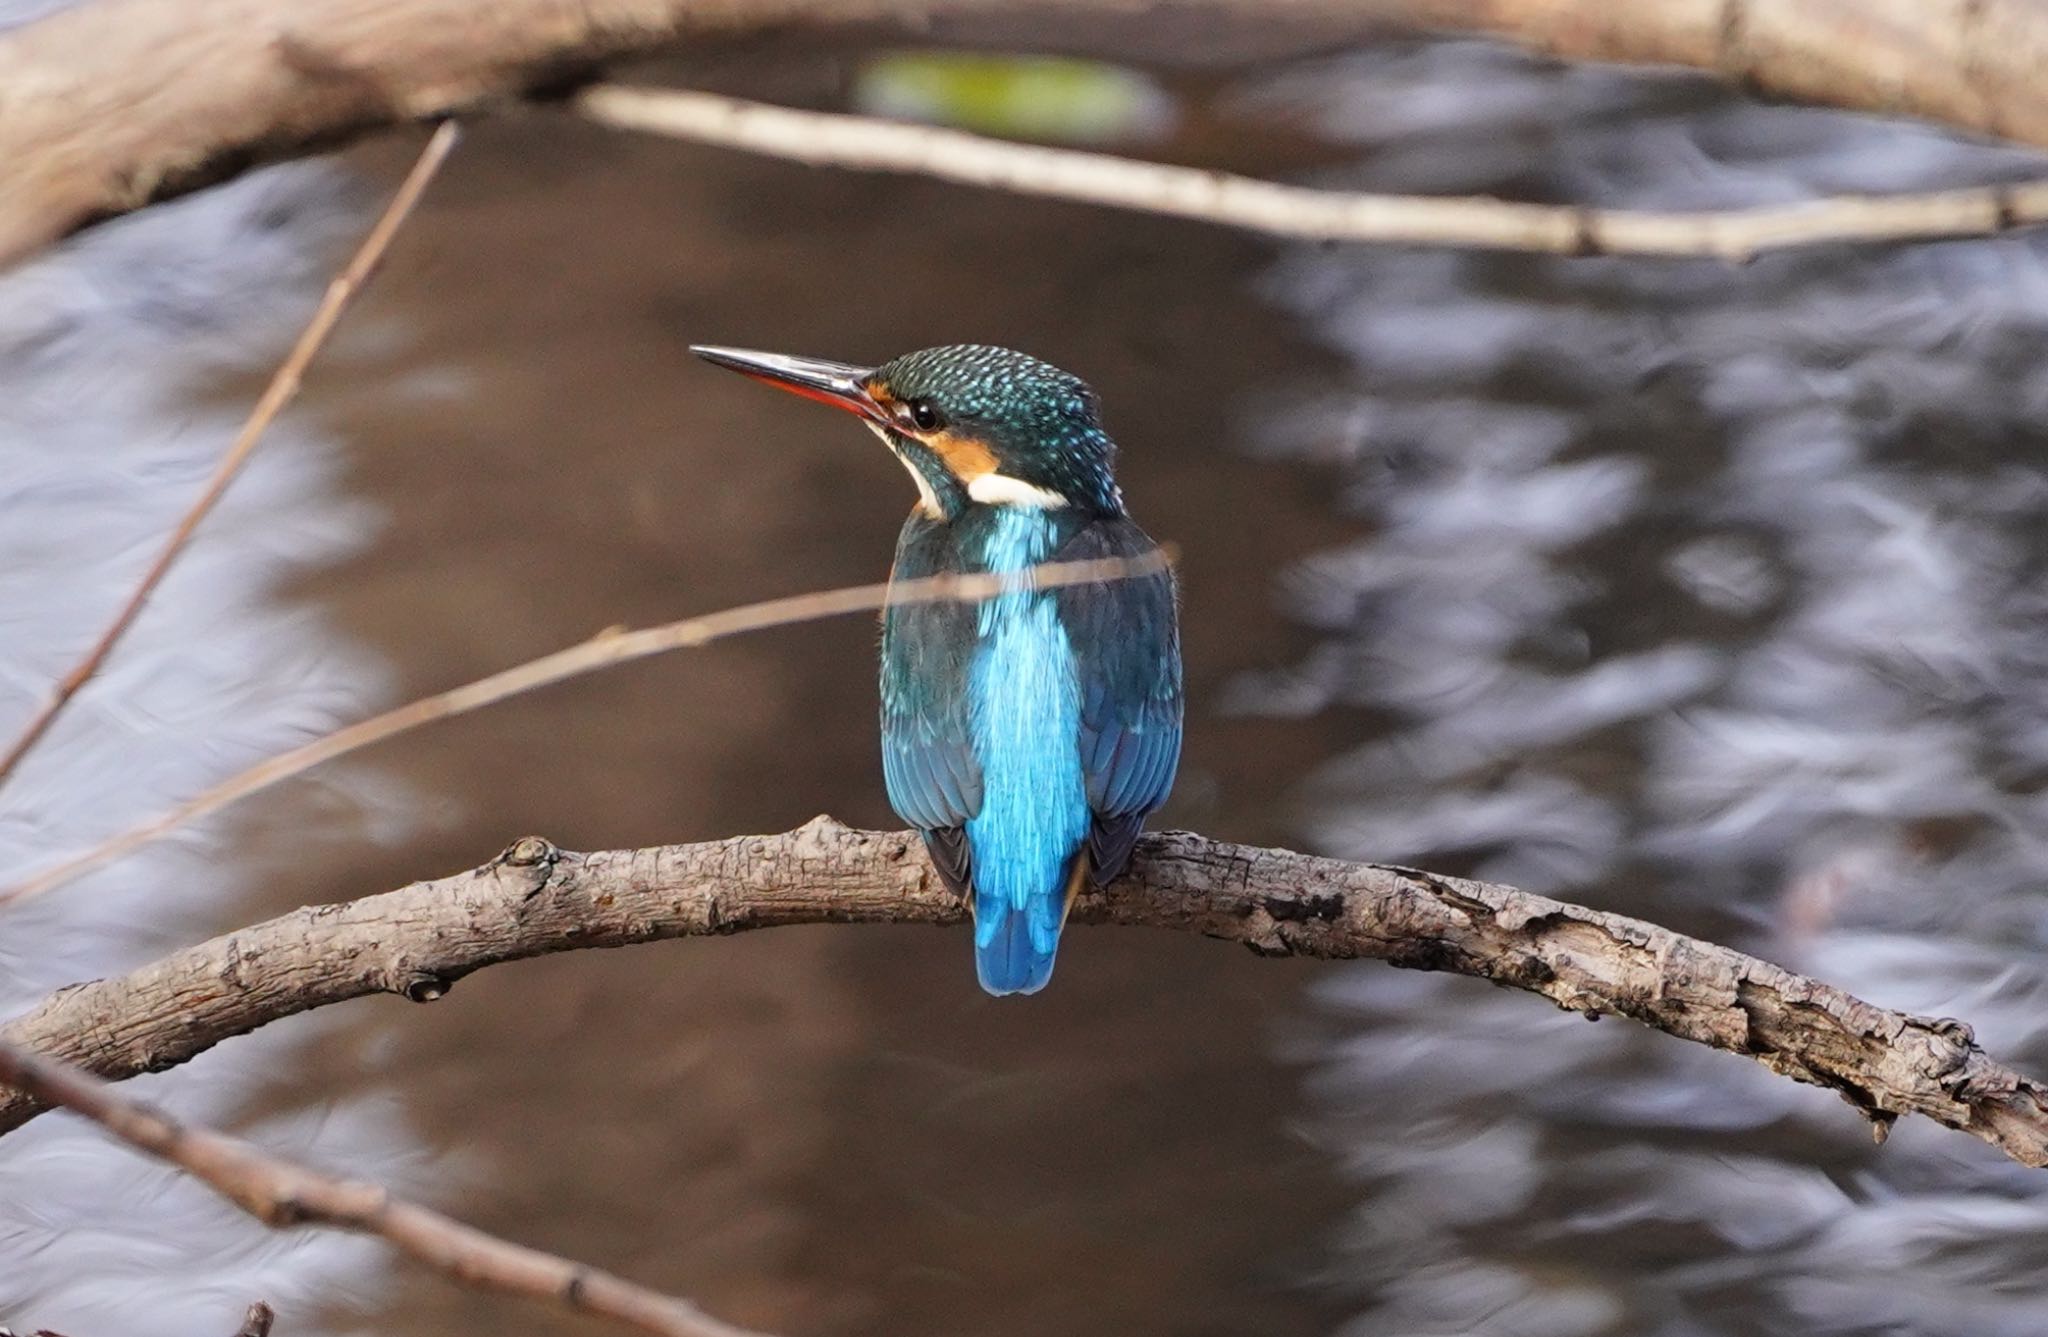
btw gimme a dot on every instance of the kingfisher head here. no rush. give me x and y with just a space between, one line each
975 425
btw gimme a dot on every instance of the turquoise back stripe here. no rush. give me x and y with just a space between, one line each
1025 720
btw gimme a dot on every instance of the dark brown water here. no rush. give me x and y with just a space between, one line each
1700 594
810 1131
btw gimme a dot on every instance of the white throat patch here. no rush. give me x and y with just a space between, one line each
1003 490
927 500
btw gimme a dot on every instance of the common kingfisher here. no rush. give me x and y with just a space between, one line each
1027 736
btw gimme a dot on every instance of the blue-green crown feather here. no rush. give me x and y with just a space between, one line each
1043 424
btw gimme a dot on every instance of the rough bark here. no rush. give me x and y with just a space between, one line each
118 103
534 899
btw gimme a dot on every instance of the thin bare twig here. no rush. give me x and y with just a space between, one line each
282 1194
604 650
284 384
866 143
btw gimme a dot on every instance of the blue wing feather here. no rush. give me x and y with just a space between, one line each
1126 642
928 764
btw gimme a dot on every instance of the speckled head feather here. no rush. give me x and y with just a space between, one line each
997 410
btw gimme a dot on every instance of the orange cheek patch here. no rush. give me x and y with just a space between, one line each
966 456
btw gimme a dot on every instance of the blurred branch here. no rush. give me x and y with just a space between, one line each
866 143
282 1195
107 107
284 384
535 899
257 1322
606 649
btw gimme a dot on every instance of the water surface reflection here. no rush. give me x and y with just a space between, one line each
1702 594
107 351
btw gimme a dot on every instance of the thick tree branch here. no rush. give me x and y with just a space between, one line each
1972 64
535 899
115 104
283 1195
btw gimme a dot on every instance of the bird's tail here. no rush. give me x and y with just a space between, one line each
1014 945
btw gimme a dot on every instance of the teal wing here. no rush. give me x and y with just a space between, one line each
1126 640
1126 644
928 763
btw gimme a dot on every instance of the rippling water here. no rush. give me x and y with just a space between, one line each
1709 595
105 353
1704 594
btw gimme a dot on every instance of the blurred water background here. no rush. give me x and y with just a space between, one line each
1704 594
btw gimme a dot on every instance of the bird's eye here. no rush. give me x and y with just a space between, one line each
922 414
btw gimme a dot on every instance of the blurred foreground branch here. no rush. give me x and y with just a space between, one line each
605 650
535 899
867 143
110 106
283 1195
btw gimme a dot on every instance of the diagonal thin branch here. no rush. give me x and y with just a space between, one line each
284 384
282 1194
870 144
534 899
601 651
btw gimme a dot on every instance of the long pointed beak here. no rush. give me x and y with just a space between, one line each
839 384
